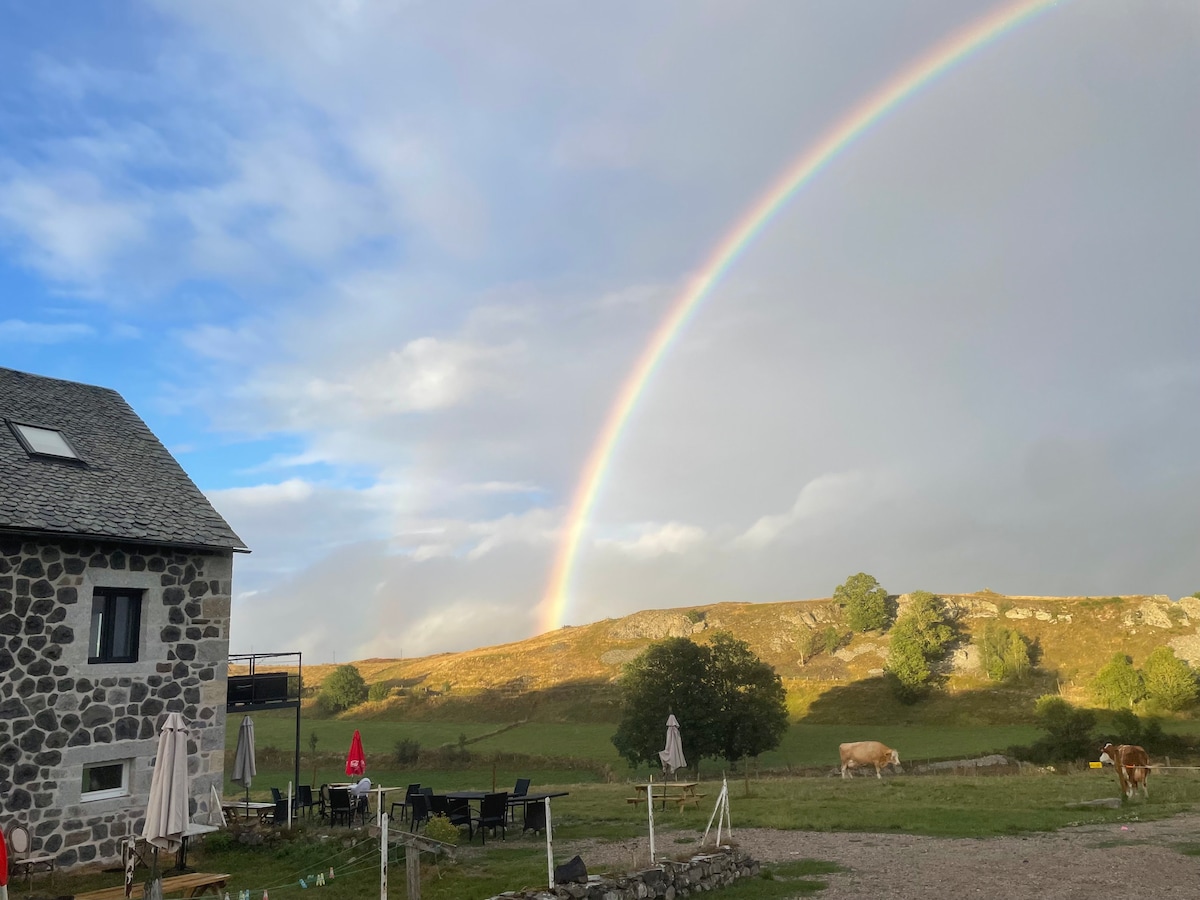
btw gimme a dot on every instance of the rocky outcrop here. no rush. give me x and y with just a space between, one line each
652 625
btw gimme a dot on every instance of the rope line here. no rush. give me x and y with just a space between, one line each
370 861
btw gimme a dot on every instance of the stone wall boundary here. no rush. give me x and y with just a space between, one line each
666 881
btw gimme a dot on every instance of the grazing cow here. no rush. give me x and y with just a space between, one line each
1132 765
868 753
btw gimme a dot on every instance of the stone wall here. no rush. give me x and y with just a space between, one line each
666 881
58 712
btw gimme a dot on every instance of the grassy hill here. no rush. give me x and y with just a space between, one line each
570 675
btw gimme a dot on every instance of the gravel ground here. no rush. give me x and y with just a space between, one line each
1072 863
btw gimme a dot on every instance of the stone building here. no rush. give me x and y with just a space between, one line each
115 585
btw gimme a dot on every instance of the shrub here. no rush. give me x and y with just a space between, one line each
344 688
378 691
834 639
1169 681
1004 652
1068 733
408 751
439 828
1118 684
695 616
219 842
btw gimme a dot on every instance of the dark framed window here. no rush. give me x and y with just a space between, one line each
102 781
116 625
38 440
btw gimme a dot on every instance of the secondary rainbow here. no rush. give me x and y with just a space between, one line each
943 57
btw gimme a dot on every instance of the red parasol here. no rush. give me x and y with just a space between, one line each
356 761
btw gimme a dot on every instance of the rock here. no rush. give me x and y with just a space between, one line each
572 871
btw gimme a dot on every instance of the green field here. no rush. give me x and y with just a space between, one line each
950 806
563 753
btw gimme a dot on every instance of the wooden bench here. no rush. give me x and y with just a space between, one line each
192 885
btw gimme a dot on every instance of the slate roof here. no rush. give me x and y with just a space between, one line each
127 487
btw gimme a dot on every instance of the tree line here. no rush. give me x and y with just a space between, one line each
921 637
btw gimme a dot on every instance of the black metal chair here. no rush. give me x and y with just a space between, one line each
280 814
493 814
406 802
520 790
419 809
439 805
304 799
458 811
342 806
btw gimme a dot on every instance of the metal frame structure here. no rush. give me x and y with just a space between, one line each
261 691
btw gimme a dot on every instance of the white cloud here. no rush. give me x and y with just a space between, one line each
294 490
658 540
44 332
426 374
828 497
68 226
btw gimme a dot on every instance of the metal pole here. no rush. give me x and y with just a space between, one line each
383 857
650 812
299 692
549 846
289 806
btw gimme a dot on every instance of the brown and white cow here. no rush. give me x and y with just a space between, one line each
868 753
1132 765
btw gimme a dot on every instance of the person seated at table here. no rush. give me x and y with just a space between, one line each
359 793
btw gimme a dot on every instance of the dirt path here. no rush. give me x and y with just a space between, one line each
1072 864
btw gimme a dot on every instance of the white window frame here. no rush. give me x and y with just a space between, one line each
107 793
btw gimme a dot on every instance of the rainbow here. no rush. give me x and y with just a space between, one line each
975 36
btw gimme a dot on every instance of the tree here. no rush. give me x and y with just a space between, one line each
1068 730
671 676
808 644
344 688
729 703
1004 652
753 711
919 639
1169 681
865 602
1118 684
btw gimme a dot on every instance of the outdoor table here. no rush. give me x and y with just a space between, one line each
534 812
247 808
533 816
679 792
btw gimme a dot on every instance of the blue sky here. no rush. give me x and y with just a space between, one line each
374 272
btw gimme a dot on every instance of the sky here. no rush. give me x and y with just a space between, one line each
375 271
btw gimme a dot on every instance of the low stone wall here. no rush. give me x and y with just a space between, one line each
665 881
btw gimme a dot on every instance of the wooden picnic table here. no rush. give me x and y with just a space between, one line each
678 792
194 884
247 808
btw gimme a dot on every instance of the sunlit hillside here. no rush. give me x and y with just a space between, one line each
570 674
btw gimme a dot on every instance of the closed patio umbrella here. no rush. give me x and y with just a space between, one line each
167 810
243 757
672 755
3 868
356 760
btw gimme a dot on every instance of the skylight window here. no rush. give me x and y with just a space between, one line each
44 441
